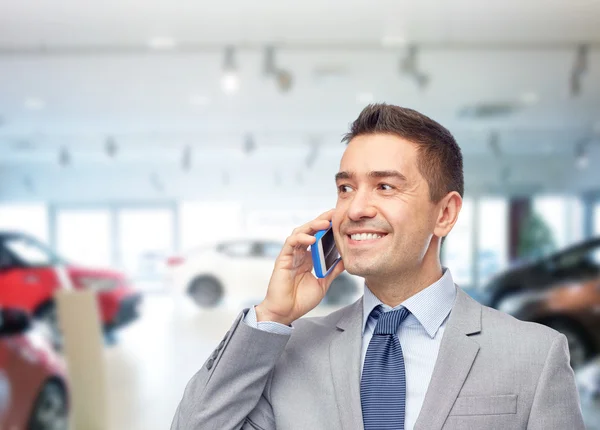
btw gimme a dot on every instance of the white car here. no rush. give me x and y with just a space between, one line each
237 273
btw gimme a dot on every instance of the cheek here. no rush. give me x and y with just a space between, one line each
336 218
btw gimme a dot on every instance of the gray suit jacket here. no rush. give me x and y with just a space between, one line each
493 372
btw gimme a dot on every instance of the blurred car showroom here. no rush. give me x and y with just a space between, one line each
154 155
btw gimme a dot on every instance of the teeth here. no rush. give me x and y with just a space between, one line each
365 236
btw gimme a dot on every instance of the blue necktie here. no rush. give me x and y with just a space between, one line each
383 384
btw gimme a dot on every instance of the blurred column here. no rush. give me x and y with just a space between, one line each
589 202
519 210
114 232
475 244
79 320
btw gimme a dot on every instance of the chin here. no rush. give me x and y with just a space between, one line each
361 268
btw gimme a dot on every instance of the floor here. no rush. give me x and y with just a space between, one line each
154 359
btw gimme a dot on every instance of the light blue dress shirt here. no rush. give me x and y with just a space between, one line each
420 335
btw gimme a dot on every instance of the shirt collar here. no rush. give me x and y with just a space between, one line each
430 306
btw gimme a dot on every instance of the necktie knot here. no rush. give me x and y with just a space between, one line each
388 322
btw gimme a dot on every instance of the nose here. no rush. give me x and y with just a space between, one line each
361 207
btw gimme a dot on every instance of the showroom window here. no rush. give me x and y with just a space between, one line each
202 223
30 251
492 252
457 251
564 216
26 218
145 242
84 236
597 219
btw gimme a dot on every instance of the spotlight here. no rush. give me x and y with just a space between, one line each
494 144
64 157
249 144
579 69
186 159
110 147
283 78
409 66
582 159
230 81
313 153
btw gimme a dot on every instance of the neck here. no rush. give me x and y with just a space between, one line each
393 289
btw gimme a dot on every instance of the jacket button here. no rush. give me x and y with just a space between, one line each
214 354
221 345
209 363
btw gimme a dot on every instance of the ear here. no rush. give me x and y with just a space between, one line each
449 208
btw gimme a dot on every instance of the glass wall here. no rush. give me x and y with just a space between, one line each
457 252
564 215
492 250
27 218
84 236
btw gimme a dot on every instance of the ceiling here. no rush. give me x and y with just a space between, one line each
146 75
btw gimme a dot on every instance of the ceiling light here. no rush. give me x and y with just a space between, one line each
230 81
186 160
409 65
313 153
582 159
283 78
110 146
249 144
64 158
579 69
393 41
34 103
494 144
162 43
364 98
529 98
198 100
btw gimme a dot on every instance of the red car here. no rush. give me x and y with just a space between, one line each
33 382
28 280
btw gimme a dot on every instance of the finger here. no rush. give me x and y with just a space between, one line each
298 240
326 215
311 227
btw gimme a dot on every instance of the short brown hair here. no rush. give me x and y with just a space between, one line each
439 156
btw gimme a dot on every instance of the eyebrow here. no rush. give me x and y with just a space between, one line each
372 174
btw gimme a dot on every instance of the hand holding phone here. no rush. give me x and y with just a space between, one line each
293 290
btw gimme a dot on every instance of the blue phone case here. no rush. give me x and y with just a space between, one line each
314 250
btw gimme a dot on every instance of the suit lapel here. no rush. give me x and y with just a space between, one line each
345 359
455 358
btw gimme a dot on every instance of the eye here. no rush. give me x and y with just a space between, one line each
344 188
386 187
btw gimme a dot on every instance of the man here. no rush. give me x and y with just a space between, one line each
415 351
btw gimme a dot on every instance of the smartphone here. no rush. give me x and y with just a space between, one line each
324 252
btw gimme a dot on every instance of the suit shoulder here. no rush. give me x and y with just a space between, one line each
329 320
494 321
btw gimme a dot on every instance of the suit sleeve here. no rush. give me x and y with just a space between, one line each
230 391
556 402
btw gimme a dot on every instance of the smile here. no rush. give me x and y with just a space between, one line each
359 237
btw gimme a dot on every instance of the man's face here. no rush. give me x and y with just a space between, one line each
384 219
